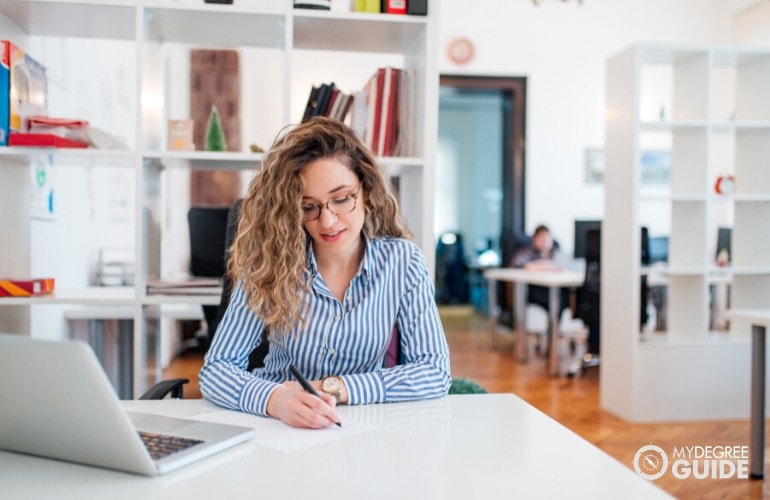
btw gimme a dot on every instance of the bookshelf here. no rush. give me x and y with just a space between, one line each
294 48
707 105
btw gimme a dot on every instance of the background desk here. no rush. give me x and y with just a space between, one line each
458 447
553 280
760 321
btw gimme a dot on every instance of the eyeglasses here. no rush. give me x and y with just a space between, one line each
338 206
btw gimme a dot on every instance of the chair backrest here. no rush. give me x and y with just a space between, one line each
208 227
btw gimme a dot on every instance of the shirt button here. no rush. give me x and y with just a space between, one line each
337 318
332 350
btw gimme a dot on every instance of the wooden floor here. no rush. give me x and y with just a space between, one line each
573 402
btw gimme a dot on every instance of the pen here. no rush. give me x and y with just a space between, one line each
306 385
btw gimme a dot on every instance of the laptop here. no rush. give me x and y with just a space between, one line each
57 402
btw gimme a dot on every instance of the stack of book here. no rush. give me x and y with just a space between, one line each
412 7
377 114
327 100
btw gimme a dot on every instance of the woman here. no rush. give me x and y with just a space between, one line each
320 261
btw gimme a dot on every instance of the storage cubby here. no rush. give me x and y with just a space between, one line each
718 126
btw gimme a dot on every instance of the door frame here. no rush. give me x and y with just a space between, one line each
514 151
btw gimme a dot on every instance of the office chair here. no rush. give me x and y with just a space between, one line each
588 296
208 235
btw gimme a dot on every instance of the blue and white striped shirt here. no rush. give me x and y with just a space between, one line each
392 287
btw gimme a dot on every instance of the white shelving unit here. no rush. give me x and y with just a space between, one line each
711 107
292 49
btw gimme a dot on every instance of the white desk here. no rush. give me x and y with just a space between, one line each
553 280
458 447
760 321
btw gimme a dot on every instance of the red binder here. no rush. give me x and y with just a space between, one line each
43 140
394 6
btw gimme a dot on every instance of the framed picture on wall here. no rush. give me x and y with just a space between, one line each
656 167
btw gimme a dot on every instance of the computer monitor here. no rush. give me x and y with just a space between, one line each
581 228
724 238
658 246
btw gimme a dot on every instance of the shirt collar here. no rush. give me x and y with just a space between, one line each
366 264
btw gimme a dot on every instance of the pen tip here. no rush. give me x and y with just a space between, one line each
338 424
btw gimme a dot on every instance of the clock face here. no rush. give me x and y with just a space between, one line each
650 462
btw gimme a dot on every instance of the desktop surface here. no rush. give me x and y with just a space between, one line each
469 446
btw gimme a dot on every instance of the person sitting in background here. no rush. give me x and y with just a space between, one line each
541 255
322 262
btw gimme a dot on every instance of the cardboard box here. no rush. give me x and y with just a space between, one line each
27 88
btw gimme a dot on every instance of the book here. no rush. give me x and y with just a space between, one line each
5 77
417 7
323 99
390 137
387 96
372 6
312 103
358 113
374 109
393 6
191 286
43 140
26 288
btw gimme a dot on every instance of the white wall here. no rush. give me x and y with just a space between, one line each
561 47
752 23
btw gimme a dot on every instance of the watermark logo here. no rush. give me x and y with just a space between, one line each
650 462
699 462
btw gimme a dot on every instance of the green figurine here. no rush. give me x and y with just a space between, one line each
215 134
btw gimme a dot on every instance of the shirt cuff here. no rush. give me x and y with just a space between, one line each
255 395
365 388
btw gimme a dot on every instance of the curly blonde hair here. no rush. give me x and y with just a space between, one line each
269 254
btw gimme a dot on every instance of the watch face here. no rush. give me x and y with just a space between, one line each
331 385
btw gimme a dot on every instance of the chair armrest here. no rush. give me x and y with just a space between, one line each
162 388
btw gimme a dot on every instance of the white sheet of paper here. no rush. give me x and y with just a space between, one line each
274 434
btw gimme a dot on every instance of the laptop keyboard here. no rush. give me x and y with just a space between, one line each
162 445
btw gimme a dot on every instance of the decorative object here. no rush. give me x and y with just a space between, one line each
594 166
180 135
724 184
215 134
460 50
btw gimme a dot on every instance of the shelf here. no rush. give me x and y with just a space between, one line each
205 160
107 19
71 157
114 296
658 340
199 299
673 125
735 126
225 25
383 33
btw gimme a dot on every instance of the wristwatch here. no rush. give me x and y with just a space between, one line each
332 386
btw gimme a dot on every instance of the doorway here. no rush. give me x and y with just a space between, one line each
480 174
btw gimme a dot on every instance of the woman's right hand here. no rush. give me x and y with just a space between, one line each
293 406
